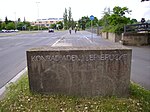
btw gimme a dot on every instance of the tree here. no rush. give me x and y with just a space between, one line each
65 18
84 22
19 20
1 24
6 20
10 25
134 21
53 26
23 25
69 18
115 22
24 19
60 25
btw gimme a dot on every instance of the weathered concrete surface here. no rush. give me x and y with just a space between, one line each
94 71
137 39
114 37
111 36
105 35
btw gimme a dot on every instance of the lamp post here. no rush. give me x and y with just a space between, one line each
38 14
15 21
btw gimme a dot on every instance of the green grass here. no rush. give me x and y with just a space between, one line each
20 99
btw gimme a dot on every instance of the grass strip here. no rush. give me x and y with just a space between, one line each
20 99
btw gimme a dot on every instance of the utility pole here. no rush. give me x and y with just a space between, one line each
38 15
92 18
15 21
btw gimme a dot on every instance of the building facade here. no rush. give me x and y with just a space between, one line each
46 22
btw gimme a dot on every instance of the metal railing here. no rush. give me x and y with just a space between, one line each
137 27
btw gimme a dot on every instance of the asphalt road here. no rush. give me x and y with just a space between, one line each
13 52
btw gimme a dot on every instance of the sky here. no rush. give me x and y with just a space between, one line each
42 9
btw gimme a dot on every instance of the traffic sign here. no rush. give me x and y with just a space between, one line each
91 17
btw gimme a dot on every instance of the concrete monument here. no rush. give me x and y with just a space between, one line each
93 71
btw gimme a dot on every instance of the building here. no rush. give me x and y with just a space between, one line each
46 22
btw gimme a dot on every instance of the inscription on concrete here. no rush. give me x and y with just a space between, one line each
91 57
79 71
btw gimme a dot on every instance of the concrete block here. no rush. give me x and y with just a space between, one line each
78 71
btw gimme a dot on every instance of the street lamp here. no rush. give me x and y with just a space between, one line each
38 14
15 21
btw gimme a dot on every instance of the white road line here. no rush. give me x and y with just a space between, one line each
58 40
88 39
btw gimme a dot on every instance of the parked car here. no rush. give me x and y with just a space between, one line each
4 31
9 31
51 30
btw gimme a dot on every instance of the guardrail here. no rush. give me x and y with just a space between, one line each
137 27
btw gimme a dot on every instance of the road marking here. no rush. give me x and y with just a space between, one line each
87 39
58 40
63 44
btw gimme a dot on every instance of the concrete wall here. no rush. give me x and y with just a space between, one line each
136 39
114 37
105 35
111 36
80 71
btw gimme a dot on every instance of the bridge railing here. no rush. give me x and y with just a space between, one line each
137 27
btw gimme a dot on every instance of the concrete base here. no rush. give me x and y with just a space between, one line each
137 39
80 71
105 35
114 37
111 36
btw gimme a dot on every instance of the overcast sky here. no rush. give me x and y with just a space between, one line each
55 8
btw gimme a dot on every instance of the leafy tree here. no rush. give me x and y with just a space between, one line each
84 22
115 22
134 21
6 20
3 25
20 25
53 26
95 22
27 25
65 18
19 20
60 25
24 19
69 18
10 25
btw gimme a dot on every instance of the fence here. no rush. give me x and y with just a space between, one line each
137 27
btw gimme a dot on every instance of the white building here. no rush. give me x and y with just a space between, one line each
46 22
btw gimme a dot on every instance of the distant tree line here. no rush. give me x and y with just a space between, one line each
9 24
